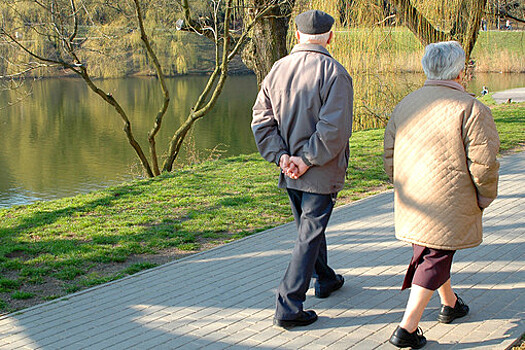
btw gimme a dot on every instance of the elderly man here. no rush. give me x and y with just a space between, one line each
302 121
440 150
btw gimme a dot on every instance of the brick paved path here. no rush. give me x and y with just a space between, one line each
224 298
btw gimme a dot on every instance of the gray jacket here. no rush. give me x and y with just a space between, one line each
304 108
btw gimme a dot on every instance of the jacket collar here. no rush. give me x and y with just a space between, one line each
447 83
311 48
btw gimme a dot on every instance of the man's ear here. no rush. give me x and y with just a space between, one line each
460 76
298 36
330 37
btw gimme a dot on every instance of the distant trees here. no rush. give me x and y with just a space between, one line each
504 9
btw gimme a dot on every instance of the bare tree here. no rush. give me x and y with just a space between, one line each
228 43
61 31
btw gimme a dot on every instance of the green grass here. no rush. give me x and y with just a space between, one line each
510 121
7 285
18 295
95 238
496 41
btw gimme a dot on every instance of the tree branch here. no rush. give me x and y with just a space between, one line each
23 72
417 23
160 114
75 21
192 26
127 124
505 13
197 112
38 57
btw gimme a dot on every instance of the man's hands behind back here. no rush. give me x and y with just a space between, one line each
293 167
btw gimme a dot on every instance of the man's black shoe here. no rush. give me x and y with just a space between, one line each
324 289
304 319
449 314
402 339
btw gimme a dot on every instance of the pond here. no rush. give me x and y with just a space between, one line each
62 139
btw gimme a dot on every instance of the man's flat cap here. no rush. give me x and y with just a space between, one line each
314 22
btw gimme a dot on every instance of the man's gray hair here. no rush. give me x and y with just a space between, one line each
314 38
443 60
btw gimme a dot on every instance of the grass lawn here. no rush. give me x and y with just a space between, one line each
50 249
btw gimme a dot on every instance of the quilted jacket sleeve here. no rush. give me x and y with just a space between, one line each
481 142
266 130
388 147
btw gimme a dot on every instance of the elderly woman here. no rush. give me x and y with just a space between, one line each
440 151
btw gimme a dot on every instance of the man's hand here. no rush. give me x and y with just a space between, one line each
293 167
297 168
284 162
286 166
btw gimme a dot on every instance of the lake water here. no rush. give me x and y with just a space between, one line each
62 139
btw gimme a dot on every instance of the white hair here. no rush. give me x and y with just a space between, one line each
443 60
314 38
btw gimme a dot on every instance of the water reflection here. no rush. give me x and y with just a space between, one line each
64 140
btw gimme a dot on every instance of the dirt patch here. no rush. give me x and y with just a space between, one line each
50 288
17 254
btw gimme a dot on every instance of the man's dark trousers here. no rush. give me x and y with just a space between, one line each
309 256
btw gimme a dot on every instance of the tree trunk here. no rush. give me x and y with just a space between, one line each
268 37
471 12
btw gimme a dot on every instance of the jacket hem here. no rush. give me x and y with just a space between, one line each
438 246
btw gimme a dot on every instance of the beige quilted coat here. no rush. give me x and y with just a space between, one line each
440 150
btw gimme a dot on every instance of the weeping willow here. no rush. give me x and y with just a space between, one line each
381 44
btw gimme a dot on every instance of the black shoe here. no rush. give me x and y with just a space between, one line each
402 339
304 319
449 314
324 289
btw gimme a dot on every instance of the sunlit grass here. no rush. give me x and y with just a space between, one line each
510 120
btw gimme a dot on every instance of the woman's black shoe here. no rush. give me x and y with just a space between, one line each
305 318
402 339
449 314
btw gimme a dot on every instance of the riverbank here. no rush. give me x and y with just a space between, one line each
50 249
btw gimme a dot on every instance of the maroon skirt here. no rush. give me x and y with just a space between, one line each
429 268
